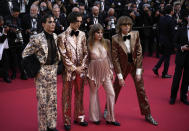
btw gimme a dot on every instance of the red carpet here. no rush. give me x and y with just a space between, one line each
18 105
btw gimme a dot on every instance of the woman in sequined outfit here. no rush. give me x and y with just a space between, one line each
99 72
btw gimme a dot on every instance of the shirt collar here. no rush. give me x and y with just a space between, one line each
48 35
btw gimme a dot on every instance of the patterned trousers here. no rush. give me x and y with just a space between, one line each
46 89
139 85
78 84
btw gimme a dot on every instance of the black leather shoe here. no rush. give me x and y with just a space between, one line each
184 101
96 122
151 120
7 79
81 123
23 77
67 127
13 76
166 76
155 70
172 101
51 129
115 123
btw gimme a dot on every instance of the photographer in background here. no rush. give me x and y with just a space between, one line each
146 33
4 62
43 9
47 2
31 24
110 23
60 20
16 44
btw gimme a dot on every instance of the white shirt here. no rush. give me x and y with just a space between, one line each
3 45
128 46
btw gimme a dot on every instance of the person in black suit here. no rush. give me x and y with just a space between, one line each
60 20
15 42
4 8
95 17
166 30
31 23
182 66
4 61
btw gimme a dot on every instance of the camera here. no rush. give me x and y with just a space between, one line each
19 38
33 31
111 23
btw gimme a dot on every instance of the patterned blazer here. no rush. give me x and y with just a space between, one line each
38 45
119 52
73 54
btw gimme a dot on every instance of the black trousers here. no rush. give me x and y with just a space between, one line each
180 71
166 59
4 64
15 56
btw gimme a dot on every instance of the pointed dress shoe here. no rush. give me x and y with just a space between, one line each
115 123
184 101
96 122
67 127
151 120
84 123
166 76
13 76
51 129
172 101
7 79
155 70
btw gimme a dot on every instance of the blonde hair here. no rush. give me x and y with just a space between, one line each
95 28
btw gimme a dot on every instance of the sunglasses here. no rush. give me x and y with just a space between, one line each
50 22
126 24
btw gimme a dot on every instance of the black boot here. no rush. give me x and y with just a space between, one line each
7 79
23 76
51 129
115 123
67 127
155 70
13 76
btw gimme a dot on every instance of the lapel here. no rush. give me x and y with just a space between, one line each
132 41
71 39
55 39
44 44
121 43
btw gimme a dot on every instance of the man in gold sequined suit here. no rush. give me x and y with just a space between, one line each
44 46
127 58
73 49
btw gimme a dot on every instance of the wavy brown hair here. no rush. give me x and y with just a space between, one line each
123 20
91 40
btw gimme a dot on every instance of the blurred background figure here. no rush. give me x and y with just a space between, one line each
4 60
167 32
182 65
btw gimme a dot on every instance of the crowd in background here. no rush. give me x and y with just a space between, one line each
20 19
